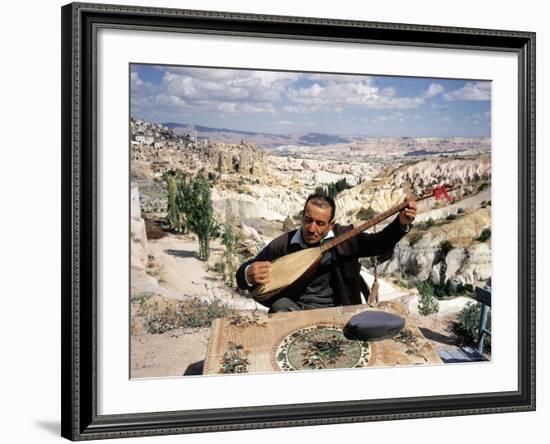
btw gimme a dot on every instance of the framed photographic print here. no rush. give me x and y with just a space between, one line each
274 221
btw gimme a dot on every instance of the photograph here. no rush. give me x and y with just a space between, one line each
274 221
304 221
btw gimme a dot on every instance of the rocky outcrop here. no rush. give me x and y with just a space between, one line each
365 201
268 202
244 162
139 249
225 162
468 262
244 159
288 224
428 173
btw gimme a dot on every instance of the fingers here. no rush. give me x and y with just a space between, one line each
261 277
258 272
411 206
408 213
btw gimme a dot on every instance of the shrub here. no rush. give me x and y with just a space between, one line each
483 186
192 313
212 177
405 284
450 288
445 247
427 303
466 327
485 235
414 238
197 313
421 225
229 241
334 188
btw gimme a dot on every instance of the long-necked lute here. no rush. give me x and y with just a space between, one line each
294 268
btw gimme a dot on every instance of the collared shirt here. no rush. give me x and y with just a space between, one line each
318 292
298 239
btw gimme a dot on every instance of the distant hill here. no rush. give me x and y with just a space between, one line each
404 146
321 139
205 129
266 140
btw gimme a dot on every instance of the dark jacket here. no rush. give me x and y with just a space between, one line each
345 279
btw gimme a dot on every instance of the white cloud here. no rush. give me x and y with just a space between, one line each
390 91
169 101
227 107
134 78
397 116
331 95
224 91
470 91
236 107
221 90
478 117
297 109
139 87
433 90
313 91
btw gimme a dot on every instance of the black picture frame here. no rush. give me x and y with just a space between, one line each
80 419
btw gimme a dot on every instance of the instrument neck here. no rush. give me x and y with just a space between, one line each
369 223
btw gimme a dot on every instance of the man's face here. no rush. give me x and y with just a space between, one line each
316 223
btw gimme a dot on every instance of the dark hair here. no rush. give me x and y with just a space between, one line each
321 201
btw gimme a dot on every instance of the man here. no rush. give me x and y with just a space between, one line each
336 280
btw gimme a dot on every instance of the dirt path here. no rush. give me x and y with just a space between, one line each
180 270
167 354
181 275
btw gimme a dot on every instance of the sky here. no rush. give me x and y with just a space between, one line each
282 102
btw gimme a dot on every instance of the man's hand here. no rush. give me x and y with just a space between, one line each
407 214
258 272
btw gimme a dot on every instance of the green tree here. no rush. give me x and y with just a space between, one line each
444 248
229 241
196 202
485 235
190 209
427 303
334 188
175 218
466 327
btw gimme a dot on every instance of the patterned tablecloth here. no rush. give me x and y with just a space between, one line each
309 340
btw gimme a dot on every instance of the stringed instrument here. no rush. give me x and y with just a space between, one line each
289 270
